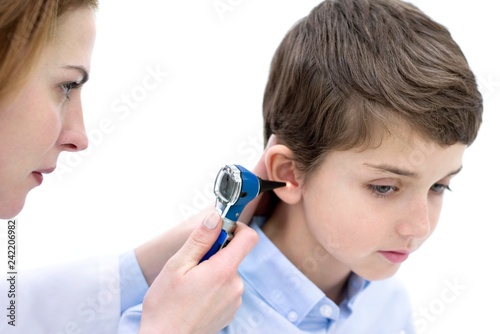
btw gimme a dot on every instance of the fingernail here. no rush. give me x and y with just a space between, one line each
211 220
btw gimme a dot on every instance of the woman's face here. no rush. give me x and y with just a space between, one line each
45 117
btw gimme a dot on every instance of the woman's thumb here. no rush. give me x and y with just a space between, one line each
200 241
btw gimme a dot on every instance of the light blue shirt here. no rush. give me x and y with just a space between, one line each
133 285
280 299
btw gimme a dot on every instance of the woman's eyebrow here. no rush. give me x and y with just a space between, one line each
82 70
455 172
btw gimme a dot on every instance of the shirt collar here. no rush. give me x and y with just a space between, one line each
355 285
283 286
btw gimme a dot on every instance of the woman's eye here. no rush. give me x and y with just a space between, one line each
439 188
67 87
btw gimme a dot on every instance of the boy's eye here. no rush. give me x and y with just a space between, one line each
439 188
382 190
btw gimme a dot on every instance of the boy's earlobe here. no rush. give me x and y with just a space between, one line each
281 166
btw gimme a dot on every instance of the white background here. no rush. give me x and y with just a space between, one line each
153 162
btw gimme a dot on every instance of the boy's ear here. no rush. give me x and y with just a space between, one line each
281 166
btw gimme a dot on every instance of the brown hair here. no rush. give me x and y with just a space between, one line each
353 67
26 26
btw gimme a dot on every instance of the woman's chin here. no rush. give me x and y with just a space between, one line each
11 207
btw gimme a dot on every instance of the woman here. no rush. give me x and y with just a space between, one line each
45 54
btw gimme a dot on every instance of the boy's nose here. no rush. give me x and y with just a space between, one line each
416 223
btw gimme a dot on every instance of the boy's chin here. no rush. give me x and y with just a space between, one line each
377 275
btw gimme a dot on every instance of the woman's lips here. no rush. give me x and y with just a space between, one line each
45 170
395 256
38 177
38 174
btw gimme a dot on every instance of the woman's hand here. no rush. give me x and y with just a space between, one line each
188 297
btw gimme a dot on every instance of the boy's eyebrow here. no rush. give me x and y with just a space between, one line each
403 172
82 70
393 170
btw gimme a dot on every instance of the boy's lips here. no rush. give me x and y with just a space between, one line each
397 256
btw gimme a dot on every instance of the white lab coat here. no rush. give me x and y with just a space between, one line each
74 298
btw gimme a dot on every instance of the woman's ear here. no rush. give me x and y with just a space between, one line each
281 166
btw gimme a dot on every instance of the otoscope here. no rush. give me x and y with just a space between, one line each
234 188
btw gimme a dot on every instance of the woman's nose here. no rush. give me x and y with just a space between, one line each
73 137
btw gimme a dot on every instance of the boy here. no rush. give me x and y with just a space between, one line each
372 105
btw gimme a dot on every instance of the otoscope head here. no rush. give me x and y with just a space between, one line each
235 187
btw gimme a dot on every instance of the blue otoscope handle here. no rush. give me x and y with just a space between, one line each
219 243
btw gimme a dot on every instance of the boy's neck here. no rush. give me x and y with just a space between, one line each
287 228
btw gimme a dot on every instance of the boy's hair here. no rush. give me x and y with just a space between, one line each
354 69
